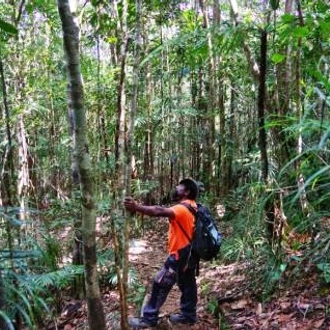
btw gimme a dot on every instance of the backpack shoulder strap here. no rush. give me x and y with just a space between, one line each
185 233
190 208
193 211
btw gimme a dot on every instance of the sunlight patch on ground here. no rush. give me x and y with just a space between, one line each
138 247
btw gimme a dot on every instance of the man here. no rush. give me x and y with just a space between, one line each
180 265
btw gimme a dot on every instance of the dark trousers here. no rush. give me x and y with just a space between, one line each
173 272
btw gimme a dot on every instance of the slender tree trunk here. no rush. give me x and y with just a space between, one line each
120 156
102 135
283 144
300 178
261 106
272 204
222 143
3 325
121 97
193 142
128 166
96 317
7 174
148 171
77 246
208 124
199 125
229 144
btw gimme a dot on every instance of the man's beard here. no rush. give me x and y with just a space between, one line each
175 196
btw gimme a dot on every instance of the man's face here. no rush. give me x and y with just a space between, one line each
179 193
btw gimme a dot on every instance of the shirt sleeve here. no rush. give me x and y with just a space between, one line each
179 211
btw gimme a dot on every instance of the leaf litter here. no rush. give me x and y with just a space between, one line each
225 300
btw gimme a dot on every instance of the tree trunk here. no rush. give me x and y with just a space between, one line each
261 106
300 178
3 325
77 247
121 96
128 167
148 162
283 144
222 143
7 175
96 317
208 123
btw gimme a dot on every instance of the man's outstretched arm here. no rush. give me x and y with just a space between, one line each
153 210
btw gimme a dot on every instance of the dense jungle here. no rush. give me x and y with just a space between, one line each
100 100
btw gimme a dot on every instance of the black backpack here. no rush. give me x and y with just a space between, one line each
206 239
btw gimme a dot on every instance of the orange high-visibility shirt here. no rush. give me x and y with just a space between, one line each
176 238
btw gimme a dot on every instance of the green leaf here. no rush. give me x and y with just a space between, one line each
322 79
111 40
25 315
274 4
325 28
325 268
283 267
7 27
288 18
300 31
7 320
277 58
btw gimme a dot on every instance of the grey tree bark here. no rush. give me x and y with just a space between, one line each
96 317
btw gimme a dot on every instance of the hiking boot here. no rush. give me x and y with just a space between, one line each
140 323
182 319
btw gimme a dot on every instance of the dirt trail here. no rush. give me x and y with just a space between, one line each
147 256
225 289
303 304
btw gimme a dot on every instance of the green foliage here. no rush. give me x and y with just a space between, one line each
277 58
223 323
175 44
58 279
142 188
7 319
274 4
137 295
8 28
47 8
212 302
325 269
212 306
107 268
31 273
26 298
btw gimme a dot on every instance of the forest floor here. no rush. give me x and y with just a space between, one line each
225 302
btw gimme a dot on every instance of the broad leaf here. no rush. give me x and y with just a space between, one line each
277 58
300 31
7 27
274 4
7 320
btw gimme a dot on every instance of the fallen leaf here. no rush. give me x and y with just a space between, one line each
259 309
240 304
285 304
303 306
318 324
320 306
284 318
